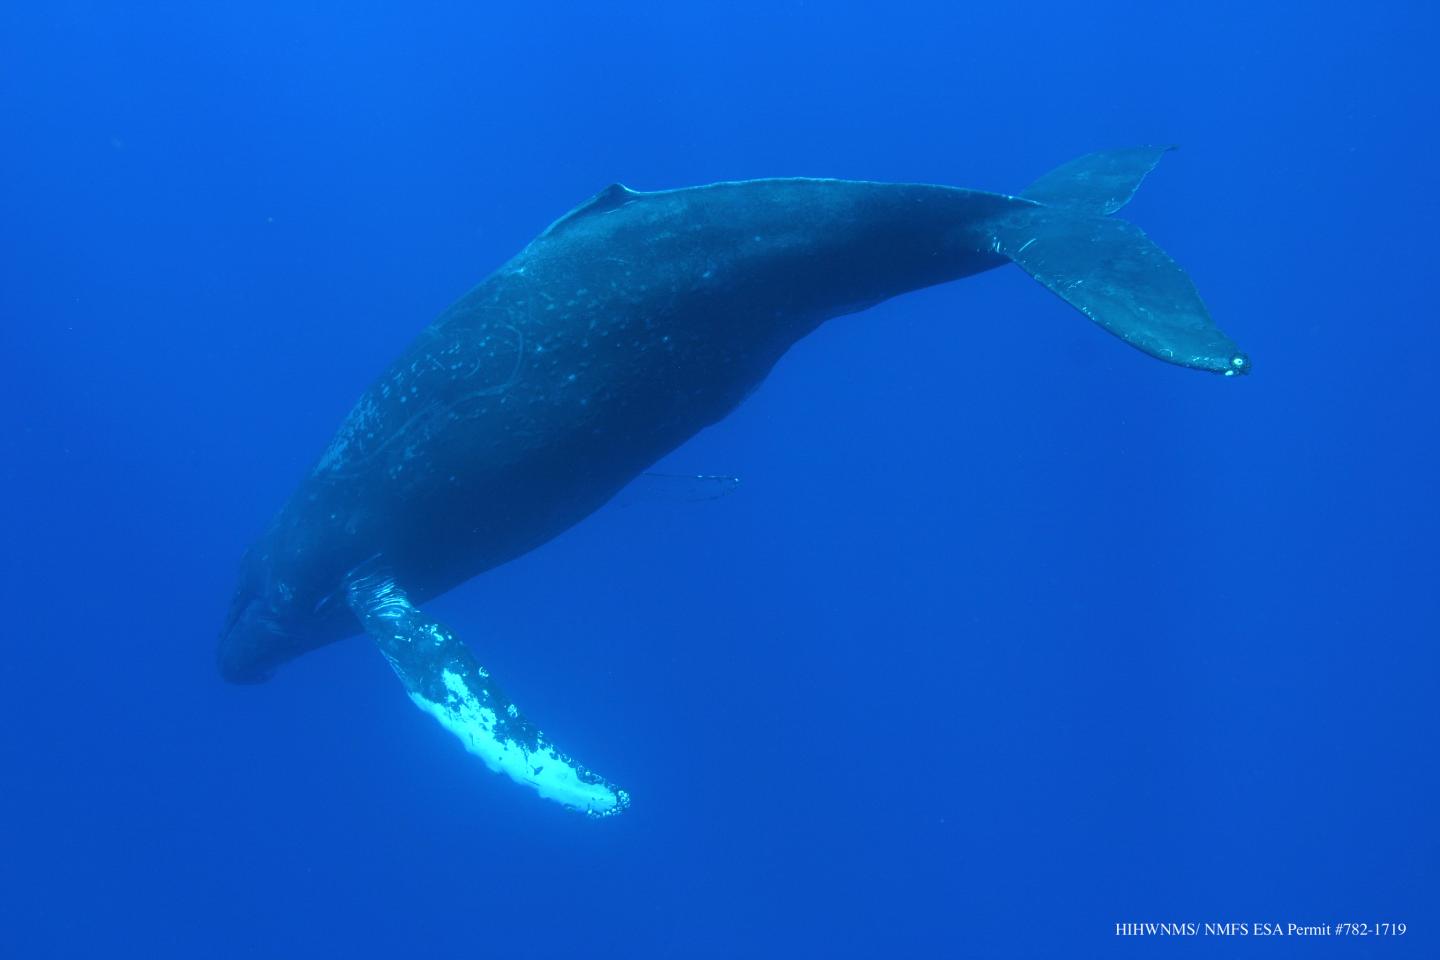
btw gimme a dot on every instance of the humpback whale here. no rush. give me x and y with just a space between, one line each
628 325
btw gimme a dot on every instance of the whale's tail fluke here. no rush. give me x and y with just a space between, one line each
1108 269
1096 184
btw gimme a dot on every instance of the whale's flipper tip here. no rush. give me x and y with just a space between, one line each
443 680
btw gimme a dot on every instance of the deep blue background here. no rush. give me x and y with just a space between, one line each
1011 634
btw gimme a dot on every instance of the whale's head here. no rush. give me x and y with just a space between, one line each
274 618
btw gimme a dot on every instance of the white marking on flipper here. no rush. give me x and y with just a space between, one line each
442 678
552 774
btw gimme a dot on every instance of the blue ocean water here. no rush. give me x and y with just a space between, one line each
1010 635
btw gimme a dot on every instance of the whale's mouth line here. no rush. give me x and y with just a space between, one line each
254 642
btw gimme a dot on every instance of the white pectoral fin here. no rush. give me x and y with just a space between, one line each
529 759
443 679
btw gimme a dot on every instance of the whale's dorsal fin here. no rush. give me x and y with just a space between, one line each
608 200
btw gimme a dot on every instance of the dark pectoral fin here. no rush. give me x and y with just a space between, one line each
1115 275
443 679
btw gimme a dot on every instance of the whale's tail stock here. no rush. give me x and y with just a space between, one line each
1109 269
